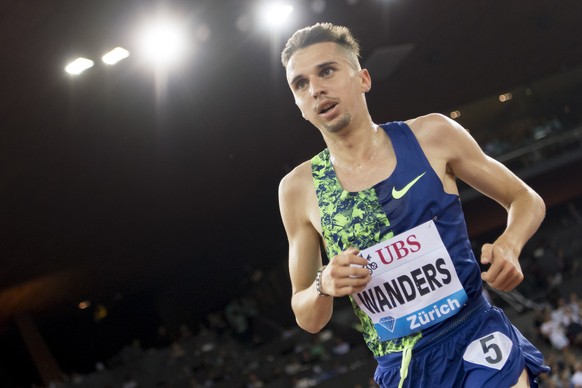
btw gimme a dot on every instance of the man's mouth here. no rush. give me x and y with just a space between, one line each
326 107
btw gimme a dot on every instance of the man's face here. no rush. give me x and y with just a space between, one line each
327 89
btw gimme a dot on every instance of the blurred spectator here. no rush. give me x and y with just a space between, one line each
176 351
317 350
254 381
554 331
293 366
574 303
163 340
576 379
340 346
237 319
575 213
131 352
217 323
185 332
129 382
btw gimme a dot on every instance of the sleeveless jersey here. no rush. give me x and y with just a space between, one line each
412 195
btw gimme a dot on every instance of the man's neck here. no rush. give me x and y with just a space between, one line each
356 147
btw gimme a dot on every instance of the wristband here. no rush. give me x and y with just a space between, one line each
318 281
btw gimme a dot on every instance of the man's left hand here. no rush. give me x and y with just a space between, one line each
504 272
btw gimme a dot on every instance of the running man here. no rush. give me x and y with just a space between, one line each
383 201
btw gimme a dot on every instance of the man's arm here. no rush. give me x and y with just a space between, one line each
526 209
312 311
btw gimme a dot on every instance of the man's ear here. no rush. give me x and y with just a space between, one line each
366 80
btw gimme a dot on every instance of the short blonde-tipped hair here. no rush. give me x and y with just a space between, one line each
320 33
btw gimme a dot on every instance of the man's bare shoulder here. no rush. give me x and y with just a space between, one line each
297 198
435 128
296 180
430 122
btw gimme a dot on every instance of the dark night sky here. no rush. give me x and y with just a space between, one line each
164 187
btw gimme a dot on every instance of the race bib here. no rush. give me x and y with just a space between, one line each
414 283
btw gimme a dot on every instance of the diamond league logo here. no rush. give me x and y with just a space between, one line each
387 323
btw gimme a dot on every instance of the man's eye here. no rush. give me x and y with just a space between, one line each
327 72
301 84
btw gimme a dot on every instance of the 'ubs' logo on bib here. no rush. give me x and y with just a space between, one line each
397 250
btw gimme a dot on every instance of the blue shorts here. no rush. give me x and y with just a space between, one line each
477 348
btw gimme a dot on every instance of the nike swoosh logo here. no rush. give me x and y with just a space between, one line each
397 194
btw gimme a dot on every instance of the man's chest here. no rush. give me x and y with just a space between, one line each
361 177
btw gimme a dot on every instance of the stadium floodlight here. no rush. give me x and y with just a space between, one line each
79 65
505 97
276 13
115 55
163 42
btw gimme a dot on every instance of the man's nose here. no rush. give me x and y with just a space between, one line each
315 87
